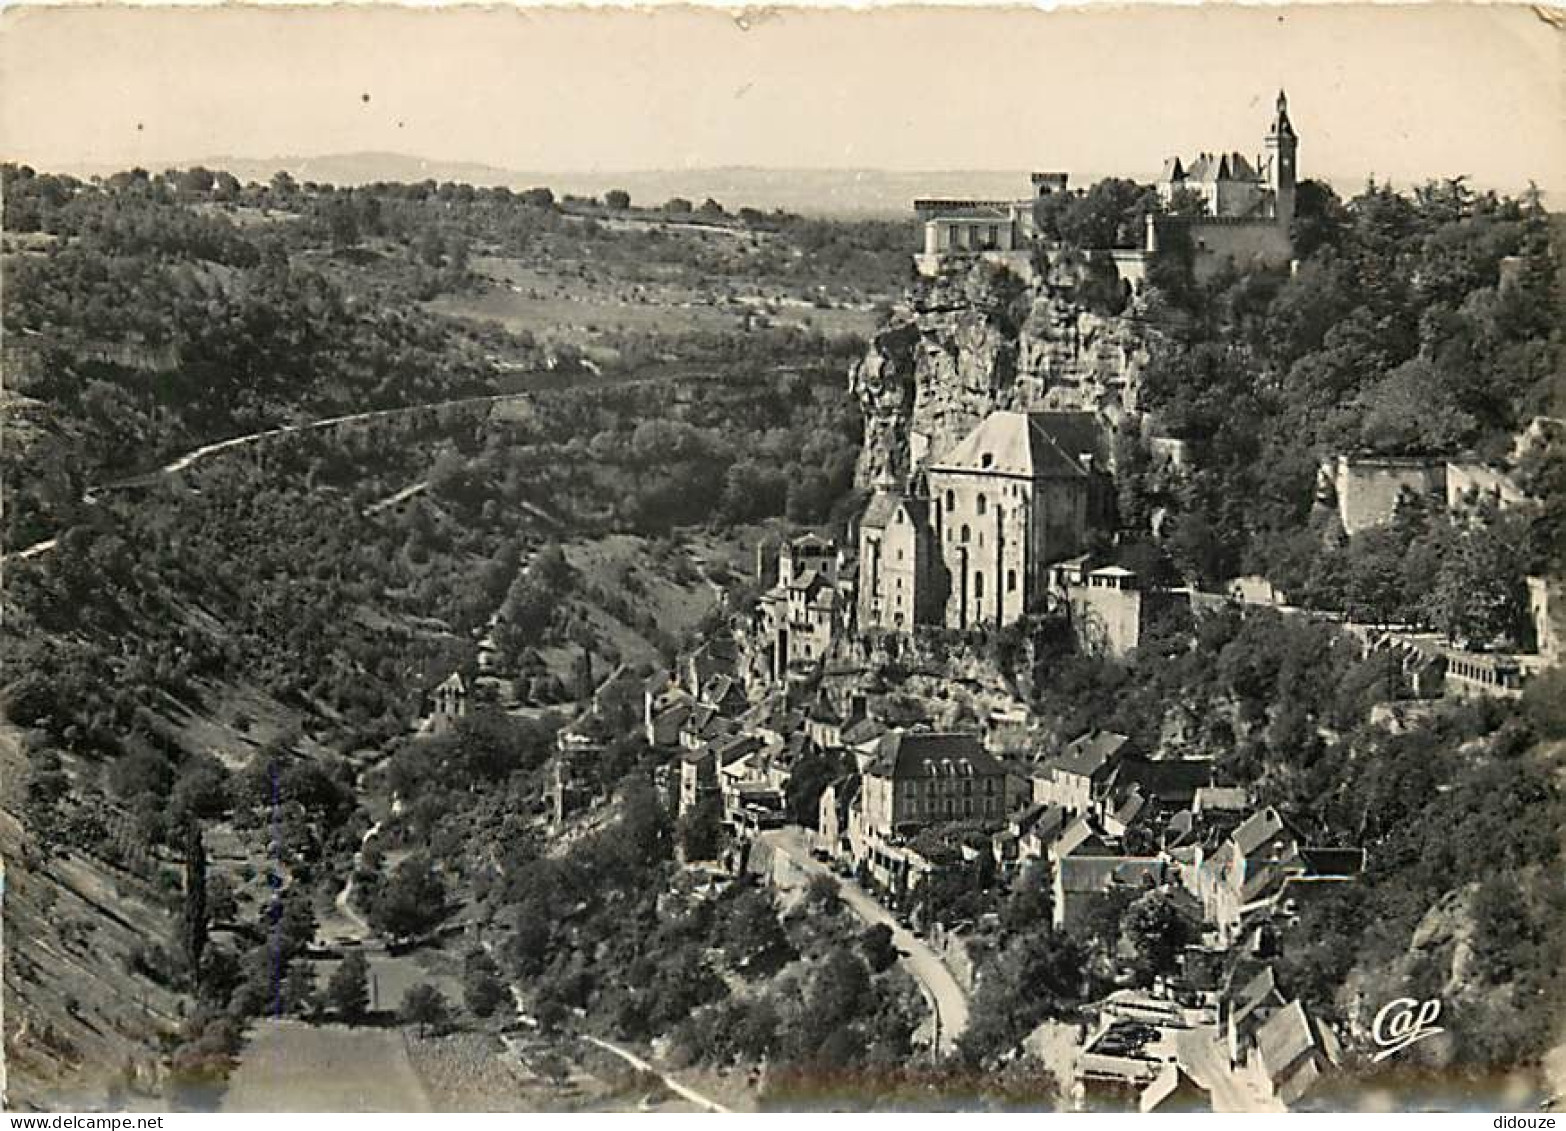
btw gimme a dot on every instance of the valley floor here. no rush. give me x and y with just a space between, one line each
294 1066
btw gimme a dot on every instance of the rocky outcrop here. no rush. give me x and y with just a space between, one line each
971 343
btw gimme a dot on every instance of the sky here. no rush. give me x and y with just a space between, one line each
1402 93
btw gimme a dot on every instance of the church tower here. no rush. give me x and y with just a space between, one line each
1282 149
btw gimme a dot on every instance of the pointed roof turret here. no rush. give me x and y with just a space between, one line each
1281 126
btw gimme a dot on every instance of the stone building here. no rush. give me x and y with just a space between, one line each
1367 490
448 704
1547 610
798 618
922 778
972 544
1247 208
897 563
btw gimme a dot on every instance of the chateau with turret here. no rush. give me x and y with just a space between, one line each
1246 209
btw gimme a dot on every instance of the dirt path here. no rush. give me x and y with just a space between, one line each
684 1091
349 923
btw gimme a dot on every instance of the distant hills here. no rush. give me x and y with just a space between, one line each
811 192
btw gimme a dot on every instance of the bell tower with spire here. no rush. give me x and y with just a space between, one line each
1282 152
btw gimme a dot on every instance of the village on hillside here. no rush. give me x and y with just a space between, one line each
1091 649
1011 529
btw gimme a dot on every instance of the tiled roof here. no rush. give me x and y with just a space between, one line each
1284 1038
1173 781
878 514
1130 808
1090 753
1011 443
1221 797
1257 829
1076 433
1259 993
921 754
863 731
1333 861
934 754
1080 836
1084 875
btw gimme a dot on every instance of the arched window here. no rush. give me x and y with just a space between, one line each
951 501
982 504
965 534
978 587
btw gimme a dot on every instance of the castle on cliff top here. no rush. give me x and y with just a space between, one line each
1246 209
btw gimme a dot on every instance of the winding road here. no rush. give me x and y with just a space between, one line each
217 447
948 1004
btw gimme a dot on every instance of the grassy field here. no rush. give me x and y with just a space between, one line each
293 1066
577 303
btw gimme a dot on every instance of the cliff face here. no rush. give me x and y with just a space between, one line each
978 342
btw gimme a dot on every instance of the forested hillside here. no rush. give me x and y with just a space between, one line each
1396 335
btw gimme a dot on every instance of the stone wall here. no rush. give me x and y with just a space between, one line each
1217 242
1366 489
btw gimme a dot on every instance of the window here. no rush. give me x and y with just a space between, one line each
967 806
965 534
982 503
1011 581
989 806
951 501
978 587
986 459
899 555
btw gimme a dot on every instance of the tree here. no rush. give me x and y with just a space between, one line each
823 894
751 931
1157 933
701 830
411 901
195 914
1480 596
299 989
222 901
876 943
348 989
425 1006
802 793
677 206
618 199
1036 976
482 989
